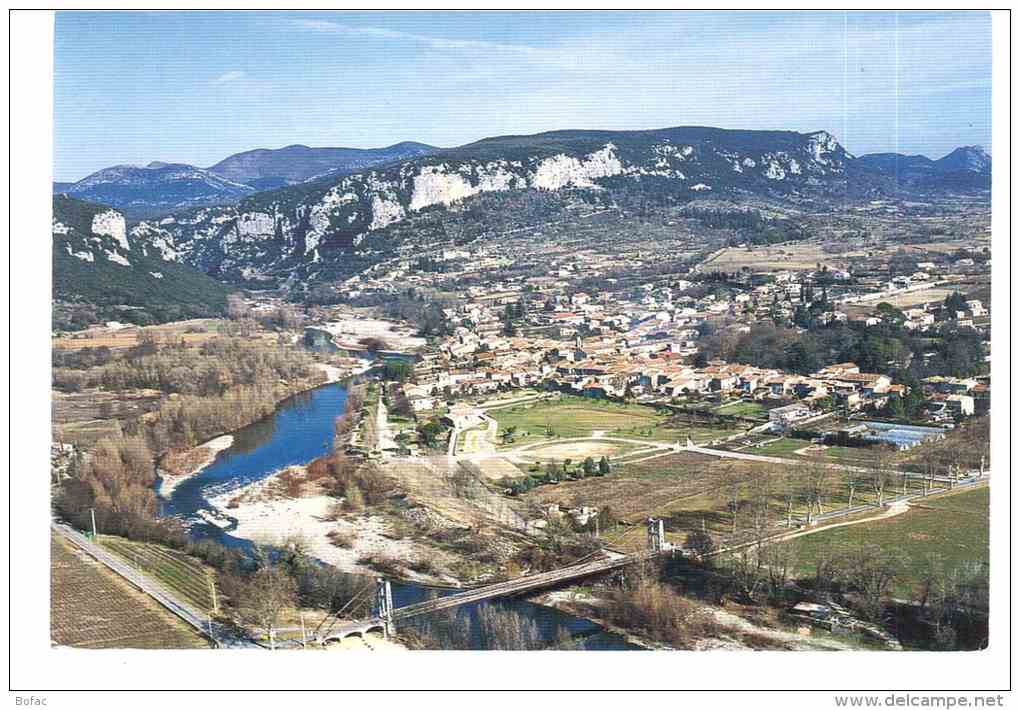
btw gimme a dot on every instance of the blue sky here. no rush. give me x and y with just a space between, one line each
196 87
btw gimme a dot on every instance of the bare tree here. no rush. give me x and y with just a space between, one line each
505 630
818 477
237 309
263 599
779 560
881 474
762 483
735 483
871 570
791 484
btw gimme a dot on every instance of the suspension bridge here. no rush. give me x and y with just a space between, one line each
385 615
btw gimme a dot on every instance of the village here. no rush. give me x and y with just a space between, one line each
650 340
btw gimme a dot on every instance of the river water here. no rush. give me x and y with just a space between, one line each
301 430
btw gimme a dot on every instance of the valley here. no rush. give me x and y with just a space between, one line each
460 367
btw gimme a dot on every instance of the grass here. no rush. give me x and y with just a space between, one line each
740 408
185 576
952 525
780 447
574 417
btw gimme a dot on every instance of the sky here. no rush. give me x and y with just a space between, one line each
195 87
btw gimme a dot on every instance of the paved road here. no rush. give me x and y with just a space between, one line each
223 635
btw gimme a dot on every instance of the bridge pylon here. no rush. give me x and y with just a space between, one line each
384 605
656 535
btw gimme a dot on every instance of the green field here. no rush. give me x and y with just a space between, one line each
954 526
179 573
574 417
780 447
571 417
739 408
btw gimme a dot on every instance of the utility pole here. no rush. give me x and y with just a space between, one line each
94 534
304 639
215 598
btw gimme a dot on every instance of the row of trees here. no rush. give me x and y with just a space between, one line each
211 369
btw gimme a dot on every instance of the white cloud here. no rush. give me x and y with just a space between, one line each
433 42
228 77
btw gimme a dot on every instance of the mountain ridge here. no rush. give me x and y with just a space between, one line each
100 272
160 187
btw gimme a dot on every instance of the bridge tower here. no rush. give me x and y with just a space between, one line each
384 604
656 534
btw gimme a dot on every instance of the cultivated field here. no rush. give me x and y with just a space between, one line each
952 525
916 298
496 469
636 491
91 607
185 576
193 332
785 257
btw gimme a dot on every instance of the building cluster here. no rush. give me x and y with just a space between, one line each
536 322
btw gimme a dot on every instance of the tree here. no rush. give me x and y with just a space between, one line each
428 433
237 309
264 597
955 302
890 313
604 467
871 570
589 467
700 542
881 474
818 477
779 560
734 481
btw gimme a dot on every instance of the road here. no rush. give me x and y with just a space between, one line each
222 635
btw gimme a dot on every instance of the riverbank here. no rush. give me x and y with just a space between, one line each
174 468
265 513
727 630
583 605
179 467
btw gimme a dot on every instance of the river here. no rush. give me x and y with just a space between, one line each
300 430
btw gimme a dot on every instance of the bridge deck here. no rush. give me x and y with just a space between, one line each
520 585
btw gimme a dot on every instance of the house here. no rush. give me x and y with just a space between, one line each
782 418
421 403
960 405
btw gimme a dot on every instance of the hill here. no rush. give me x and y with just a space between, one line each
155 188
337 219
158 188
967 168
101 273
298 163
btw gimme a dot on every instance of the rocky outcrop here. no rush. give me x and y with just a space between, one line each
283 228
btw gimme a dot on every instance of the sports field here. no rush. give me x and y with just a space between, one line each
571 417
